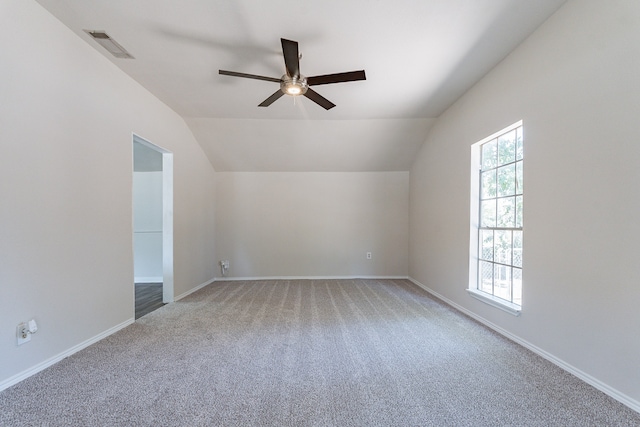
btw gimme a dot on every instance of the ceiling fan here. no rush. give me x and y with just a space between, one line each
294 84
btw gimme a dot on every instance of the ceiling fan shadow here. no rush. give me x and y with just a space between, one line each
244 54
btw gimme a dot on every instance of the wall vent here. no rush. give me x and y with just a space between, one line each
108 43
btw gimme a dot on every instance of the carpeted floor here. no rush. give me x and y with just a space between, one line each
307 353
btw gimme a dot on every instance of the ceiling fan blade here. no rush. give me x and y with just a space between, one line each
336 78
319 99
291 57
270 100
248 76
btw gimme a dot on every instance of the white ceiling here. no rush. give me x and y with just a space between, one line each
419 57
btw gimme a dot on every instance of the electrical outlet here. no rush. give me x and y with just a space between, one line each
368 255
22 333
24 330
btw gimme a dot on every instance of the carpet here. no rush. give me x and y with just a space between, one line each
308 353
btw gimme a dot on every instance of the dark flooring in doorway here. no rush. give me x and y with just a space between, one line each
148 298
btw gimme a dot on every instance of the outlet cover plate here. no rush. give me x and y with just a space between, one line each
19 329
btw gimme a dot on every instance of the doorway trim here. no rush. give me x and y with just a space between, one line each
167 216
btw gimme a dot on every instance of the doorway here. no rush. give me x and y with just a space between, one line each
152 226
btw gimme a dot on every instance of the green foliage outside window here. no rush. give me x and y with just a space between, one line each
501 216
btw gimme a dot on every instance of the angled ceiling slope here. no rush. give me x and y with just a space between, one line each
419 56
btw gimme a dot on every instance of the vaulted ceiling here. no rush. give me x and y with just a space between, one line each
420 56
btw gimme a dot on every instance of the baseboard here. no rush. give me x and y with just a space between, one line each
231 279
606 389
55 359
197 288
158 279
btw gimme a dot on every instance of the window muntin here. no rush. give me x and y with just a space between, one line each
500 216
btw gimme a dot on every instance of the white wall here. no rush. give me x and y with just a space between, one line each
575 84
147 227
310 145
66 121
316 224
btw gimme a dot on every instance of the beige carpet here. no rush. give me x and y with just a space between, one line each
307 353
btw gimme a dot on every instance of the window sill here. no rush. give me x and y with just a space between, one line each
495 302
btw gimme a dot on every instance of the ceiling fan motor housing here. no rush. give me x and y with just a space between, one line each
294 86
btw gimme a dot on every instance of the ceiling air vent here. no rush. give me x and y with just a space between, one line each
108 43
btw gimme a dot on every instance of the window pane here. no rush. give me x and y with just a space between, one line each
502 282
507 180
519 208
485 283
518 211
519 176
488 213
489 184
489 155
519 150
500 236
502 246
517 248
506 215
507 148
486 242
517 286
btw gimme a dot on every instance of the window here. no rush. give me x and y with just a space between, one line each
496 218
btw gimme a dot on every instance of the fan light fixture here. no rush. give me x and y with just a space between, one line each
294 86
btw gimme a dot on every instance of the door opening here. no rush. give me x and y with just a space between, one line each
152 226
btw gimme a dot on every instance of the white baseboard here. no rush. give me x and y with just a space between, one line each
158 279
197 288
606 389
55 359
237 279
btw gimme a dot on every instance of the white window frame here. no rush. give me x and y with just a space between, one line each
474 228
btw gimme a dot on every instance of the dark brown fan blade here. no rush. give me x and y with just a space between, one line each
248 76
270 100
291 57
336 78
319 99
